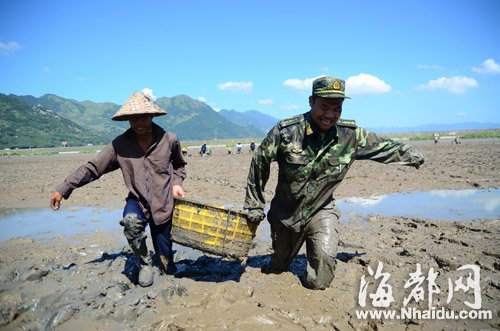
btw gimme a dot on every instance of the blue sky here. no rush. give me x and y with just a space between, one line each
405 63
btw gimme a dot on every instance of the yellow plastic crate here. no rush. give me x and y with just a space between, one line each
211 228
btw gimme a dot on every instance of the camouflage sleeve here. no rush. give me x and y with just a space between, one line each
259 170
384 150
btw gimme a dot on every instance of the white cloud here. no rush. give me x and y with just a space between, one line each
202 99
366 202
266 101
299 84
214 106
430 66
490 204
46 70
455 84
452 194
488 67
289 106
148 93
366 84
236 87
462 114
360 84
8 48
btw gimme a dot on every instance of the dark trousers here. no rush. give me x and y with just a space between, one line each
160 234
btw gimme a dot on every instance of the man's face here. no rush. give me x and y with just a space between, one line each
325 112
141 124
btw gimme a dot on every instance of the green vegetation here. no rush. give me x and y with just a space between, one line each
470 134
191 119
430 137
49 151
28 122
480 134
25 126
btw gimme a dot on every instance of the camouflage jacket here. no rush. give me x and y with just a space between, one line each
312 165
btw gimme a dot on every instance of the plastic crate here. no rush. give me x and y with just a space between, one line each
211 228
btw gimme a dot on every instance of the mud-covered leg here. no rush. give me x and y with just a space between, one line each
286 245
134 230
163 247
321 243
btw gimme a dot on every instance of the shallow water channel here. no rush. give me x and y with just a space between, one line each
451 205
435 205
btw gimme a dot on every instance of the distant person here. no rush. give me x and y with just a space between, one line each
238 148
436 139
203 149
153 170
252 147
314 151
457 140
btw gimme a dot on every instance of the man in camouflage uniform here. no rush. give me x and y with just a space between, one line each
314 151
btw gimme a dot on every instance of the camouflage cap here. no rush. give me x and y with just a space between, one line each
137 104
329 87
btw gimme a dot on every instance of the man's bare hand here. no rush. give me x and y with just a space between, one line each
55 200
178 191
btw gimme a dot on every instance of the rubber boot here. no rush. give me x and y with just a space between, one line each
146 273
134 232
166 266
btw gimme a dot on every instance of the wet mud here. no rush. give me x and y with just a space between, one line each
89 281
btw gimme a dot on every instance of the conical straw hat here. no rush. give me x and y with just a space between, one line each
137 104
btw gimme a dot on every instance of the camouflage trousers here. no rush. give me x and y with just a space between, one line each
321 238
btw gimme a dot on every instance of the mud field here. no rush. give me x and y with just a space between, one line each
87 282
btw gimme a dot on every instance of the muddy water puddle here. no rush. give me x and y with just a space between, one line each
437 205
45 223
453 205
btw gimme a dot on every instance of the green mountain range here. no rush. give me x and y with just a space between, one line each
23 126
194 120
262 121
27 121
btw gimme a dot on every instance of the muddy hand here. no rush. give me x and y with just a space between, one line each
55 200
256 215
416 162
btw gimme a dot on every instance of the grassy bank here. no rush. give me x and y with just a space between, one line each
472 134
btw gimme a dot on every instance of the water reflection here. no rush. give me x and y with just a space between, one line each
45 223
437 205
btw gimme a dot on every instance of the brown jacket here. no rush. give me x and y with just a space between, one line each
149 176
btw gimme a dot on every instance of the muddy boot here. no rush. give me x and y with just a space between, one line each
146 273
134 232
146 276
166 266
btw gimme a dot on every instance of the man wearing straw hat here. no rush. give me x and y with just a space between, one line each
314 151
153 169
